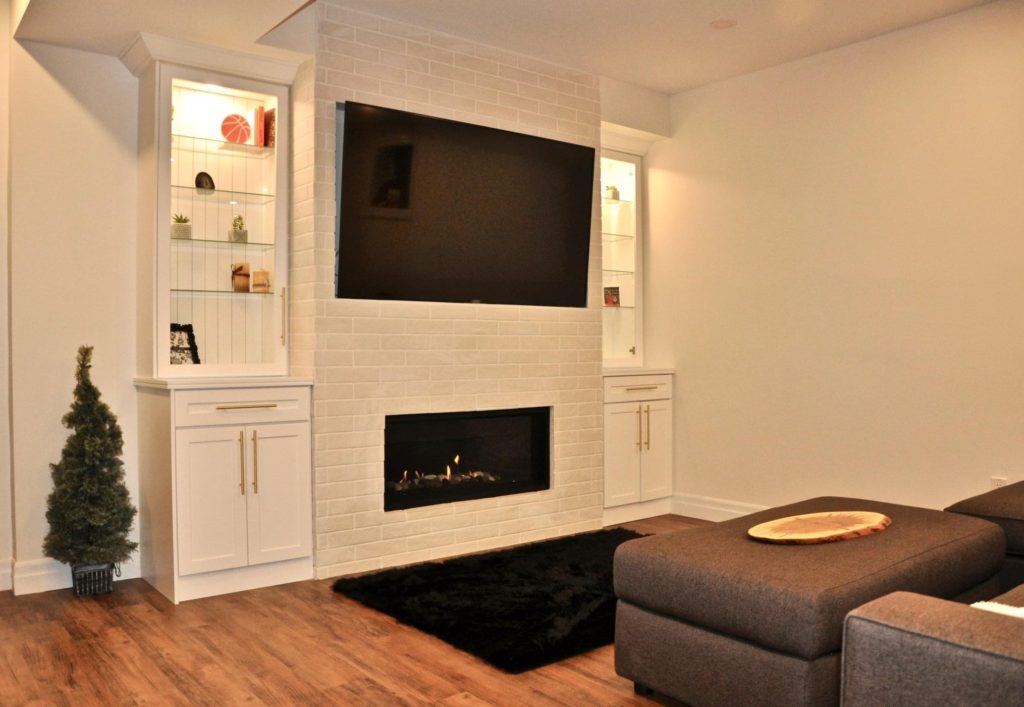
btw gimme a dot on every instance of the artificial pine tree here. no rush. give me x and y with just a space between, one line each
89 510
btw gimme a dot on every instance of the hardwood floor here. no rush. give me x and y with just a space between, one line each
297 643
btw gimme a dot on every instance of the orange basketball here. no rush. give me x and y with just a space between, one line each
235 128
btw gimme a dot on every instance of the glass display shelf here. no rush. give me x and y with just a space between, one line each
236 149
615 237
179 291
230 198
227 245
621 306
614 202
617 273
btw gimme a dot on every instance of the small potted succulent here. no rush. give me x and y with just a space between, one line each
238 232
181 227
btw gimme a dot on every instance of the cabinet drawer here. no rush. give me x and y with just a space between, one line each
624 389
240 406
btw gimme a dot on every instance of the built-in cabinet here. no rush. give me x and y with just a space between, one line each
225 487
638 439
213 206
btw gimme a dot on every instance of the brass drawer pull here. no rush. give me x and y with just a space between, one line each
241 450
255 464
641 387
246 406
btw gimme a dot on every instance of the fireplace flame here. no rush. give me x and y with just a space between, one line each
453 475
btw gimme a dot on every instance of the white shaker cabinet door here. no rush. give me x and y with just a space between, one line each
622 428
210 489
280 494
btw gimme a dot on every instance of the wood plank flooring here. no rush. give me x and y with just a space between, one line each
294 644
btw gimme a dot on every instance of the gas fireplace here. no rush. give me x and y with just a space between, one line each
456 456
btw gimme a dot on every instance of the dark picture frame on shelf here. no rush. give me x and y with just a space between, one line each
183 345
611 297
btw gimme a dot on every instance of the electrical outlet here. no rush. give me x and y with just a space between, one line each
998 481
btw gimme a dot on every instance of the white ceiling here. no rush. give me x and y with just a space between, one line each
666 45
109 26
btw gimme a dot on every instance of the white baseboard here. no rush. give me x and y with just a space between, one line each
6 570
708 508
636 511
45 575
42 575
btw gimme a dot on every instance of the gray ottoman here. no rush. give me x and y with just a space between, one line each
1005 508
710 617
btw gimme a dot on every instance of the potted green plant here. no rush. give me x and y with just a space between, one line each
181 227
238 232
89 510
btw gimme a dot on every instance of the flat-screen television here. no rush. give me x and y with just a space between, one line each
442 211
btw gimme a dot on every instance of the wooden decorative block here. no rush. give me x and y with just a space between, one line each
813 528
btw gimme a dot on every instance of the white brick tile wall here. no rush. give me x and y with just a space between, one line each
371 359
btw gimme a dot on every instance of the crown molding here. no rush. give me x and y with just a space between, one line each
148 48
626 139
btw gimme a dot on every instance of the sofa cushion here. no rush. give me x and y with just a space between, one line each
1004 507
793 598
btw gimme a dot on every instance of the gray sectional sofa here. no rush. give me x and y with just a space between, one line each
1005 508
917 651
709 617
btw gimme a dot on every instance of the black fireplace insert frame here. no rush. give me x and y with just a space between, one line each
540 460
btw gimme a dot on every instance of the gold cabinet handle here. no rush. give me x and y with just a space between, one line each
255 464
246 406
634 388
284 315
647 437
639 428
241 450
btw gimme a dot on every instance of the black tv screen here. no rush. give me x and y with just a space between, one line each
442 211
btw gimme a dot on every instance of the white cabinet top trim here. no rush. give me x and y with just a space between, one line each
640 371
220 383
148 48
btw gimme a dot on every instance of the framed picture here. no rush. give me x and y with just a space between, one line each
183 345
611 297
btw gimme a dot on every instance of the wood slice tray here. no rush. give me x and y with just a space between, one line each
814 528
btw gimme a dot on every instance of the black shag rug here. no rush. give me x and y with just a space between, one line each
517 609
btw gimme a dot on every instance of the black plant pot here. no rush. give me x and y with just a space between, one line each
91 579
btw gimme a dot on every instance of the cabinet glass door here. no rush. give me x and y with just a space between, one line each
224 267
621 260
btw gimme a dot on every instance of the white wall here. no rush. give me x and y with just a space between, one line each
6 524
73 185
835 268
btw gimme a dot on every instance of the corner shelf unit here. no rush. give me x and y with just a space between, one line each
196 274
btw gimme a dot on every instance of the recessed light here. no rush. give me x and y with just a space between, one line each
723 23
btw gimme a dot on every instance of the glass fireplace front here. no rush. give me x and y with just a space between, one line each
456 456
